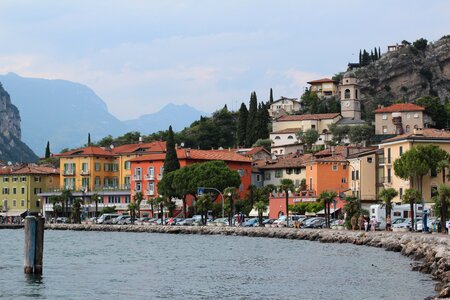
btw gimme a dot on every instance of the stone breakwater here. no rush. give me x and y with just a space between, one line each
430 252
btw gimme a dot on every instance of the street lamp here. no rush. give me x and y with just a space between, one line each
231 208
214 189
96 207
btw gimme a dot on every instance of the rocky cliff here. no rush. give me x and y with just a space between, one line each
11 147
407 74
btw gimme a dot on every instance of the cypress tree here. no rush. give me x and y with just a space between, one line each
263 121
271 96
375 53
47 150
371 56
379 52
242 125
89 139
171 162
360 57
251 136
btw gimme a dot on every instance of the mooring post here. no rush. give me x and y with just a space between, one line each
39 246
30 244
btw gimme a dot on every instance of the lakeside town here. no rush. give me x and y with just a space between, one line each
294 177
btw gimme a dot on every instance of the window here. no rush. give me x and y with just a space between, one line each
137 172
310 183
344 180
384 129
137 186
151 187
278 173
5 191
106 182
277 137
353 175
127 199
297 171
369 160
384 117
97 166
389 155
22 202
37 179
289 171
37 191
151 172
347 94
389 175
22 190
400 150
408 115
69 183
357 174
23 179
38 203
14 191
290 137
115 182
334 167
97 181
408 128
106 167
14 203
258 178
313 127
400 193
241 172
85 183
5 179
84 167
267 176
126 182
416 115
127 165
14 179
115 167
344 167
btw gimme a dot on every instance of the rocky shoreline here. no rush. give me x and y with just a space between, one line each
430 252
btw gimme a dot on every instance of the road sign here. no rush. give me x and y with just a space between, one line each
200 191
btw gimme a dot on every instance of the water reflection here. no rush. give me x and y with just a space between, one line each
35 286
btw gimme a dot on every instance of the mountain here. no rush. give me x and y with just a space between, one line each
179 116
11 147
407 74
59 111
64 112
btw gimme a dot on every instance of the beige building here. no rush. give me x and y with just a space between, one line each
284 106
400 118
394 148
349 97
363 177
324 87
286 167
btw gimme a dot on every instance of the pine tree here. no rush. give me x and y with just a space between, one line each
271 96
171 162
251 136
89 139
379 53
375 53
360 57
371 56
242 125
47 150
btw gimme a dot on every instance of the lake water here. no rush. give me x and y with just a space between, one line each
119 265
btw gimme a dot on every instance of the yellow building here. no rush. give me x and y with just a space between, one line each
324 87
394 148
21 186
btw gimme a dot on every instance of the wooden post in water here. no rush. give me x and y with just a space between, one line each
39 246
30 244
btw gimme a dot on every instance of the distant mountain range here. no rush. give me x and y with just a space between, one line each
64 112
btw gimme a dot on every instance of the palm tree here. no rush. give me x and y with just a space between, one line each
444 196
55 200
230 193
76 210
203 205
132 208
159 201
261 207
386 196
327 197
138 197
96 198
412 196
287 185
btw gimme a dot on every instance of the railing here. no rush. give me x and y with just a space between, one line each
137 177
149 177
149 192
85 172
387 179
69 172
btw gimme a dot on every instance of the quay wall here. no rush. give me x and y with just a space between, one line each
430 252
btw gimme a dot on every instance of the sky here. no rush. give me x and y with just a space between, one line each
139 56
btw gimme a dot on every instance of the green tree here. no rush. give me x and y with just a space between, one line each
89 140
287 185
360 133
242 125
271 96
386 196
420 44
55 200
435 110
171 162
309 137
108 210
353 209
310 102
442 206
138 197
76 210
266 143
66 195
263 121
96 198
261 207
204 204
252 124
412 196
132 207
47 150
339 132
327 197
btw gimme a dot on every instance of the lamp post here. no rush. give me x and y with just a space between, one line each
214 189
96 207
230 221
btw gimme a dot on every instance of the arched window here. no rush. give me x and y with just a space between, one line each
408 128
290 137
347 94
416 126
277 137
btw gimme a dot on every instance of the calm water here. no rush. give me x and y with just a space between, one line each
115 265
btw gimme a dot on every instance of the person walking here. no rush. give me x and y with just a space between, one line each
373 224
353 222
361 222
366 224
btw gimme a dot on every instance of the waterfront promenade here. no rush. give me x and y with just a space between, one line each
430 252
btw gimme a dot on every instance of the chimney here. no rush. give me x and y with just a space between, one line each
140 140
188 153
418 131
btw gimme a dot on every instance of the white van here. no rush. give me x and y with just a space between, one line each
398 211
107 218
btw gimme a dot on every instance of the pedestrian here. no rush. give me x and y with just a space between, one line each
388 223
361 222
373 224
353 222
366 224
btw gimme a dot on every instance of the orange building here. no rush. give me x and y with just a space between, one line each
147 170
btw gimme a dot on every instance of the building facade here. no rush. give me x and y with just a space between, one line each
324 87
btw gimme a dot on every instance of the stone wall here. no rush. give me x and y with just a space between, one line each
430 252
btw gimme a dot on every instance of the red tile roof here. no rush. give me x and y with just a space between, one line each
307 117
256 150
399 107
333 158
87 151
337 150
288 161
34 169
323 80
194 154
421 134
157 146
287 130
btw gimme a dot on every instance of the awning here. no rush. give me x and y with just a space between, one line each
14 213
254 213
322 212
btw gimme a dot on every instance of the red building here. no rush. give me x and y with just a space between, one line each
147 170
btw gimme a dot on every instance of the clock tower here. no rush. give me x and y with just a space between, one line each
349 97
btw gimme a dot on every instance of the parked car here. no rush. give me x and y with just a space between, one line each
251 222
315 223
268 222
107 218
220 222
119 219
402 223
430 222
186 222
124 221
62 220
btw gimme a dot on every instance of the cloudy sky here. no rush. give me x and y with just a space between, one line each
140 55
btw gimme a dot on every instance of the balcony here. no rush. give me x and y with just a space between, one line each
69 172
85 172
149 192
160 176
137 177
149 177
